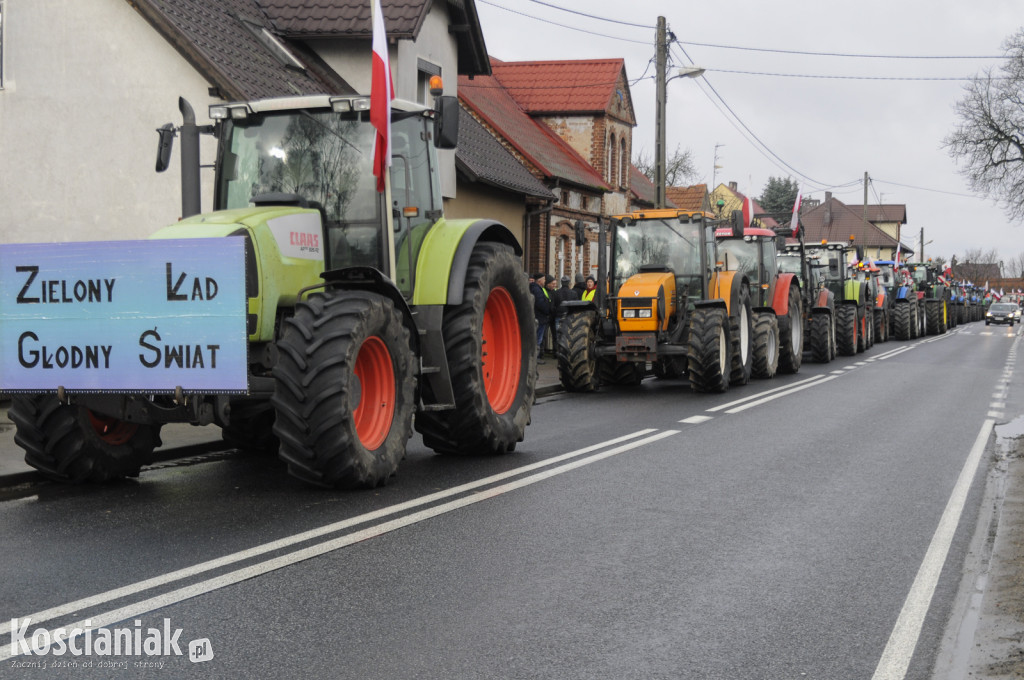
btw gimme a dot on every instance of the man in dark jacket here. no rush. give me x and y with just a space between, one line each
580 285
541 309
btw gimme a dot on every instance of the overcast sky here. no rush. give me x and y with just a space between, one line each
827 131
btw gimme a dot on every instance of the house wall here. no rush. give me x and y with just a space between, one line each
481 200
86 84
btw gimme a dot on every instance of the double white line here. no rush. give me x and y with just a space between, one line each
619 445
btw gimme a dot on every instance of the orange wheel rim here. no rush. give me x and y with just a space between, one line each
111 430
376 407
502 350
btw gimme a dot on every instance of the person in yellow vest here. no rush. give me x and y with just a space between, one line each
588 294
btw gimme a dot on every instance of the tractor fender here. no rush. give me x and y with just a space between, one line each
444 258
370 279
577 306
780 301
727 286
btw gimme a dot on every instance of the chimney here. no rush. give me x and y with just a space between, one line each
733 186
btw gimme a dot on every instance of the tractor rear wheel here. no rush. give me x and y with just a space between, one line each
70 443
933 317
821 338
709 350
901 321
344 389
741 328
491 345
846 329
766 345
577 361
791 334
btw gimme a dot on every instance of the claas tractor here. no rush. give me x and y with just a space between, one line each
666 302
778 342
853 329
819 306
368 312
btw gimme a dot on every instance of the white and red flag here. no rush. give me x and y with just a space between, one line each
898 244
748 211
794 223
382 91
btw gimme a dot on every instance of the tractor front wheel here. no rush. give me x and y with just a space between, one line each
70 443
709 351
741 326
846 329
491 345
791 334
344 389
577 361
821 338
766 345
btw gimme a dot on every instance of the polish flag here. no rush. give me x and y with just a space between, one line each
748 212
382 91
898 245
794 224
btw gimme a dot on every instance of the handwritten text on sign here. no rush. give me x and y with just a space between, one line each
123 316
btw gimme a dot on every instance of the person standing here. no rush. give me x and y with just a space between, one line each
551 288
541 310
580 285
591 289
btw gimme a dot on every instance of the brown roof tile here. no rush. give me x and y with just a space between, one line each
573 86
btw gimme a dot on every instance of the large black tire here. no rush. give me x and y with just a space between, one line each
847 331
577 361
933 317
862 336
741 328
766 346
621 373
494 386
791 334
69 443
344 387
821 338
709 350
881 327
251 427
902 321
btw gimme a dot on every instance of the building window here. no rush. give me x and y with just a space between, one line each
613 164
623 161
424 70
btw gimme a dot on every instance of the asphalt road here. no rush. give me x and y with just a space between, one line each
804 527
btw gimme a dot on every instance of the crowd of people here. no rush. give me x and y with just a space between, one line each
548 297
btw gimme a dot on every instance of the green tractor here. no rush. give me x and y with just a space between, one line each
853 303
368 313
819 306
933 296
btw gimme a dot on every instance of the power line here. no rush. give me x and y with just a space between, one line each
591 16
936 191
838 54
571 28
747 128
801 75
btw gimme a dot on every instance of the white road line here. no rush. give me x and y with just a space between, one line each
231 578
780 394
696 420
998 415
187 572
896 656
761 394
838 372
889 355
997 404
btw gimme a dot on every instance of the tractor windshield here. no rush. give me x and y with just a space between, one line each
739 255
671 244
790 264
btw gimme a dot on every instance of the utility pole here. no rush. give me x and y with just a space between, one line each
660 59
864 216
922 246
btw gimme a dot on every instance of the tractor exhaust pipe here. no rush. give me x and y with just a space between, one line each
191 200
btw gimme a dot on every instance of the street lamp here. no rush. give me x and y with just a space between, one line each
661 58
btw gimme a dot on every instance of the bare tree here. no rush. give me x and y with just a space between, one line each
988 142
1014 268
679 169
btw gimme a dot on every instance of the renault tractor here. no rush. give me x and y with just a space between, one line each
777 304
367 313
667 302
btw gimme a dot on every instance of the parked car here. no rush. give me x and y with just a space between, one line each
1001 312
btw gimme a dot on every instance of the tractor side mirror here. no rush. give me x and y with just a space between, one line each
446 125
737 223
164 146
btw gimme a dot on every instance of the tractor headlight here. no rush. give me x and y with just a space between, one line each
628 313
645 314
